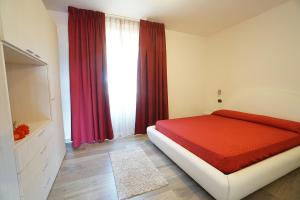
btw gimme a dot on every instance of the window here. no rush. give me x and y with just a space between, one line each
122 38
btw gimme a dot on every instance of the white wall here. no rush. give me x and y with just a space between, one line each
186 65
257 58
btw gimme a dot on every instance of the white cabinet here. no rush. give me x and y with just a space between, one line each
8 177
29 93
38 156
23 25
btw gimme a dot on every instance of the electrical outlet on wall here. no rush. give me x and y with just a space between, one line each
219 96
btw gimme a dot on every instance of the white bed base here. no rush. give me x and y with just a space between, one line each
227 187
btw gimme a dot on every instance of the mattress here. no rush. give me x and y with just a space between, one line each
230 141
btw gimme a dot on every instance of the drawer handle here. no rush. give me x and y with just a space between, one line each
41 133
45 167
47 183
44 149
37 56
29 51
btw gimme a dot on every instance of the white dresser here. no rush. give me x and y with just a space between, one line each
36 164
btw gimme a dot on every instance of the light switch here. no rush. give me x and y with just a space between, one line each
219 92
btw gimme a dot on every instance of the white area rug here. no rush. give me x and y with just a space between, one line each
134 173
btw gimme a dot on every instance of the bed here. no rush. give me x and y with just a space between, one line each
230 154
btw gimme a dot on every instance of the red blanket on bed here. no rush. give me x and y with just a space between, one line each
231 140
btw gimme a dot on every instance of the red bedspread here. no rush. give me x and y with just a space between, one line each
229 143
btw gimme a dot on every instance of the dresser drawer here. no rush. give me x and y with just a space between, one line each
32 176
29 179
36 180
34 144
22 156
51 171
39 140
47 176
45 181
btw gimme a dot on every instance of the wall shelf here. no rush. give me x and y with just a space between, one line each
14 55
28 89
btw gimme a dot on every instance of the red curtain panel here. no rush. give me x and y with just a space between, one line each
152 94
91 121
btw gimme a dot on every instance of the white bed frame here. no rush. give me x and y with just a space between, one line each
227 187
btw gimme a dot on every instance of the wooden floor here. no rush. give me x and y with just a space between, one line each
86 174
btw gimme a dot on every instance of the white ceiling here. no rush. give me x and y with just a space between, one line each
202 17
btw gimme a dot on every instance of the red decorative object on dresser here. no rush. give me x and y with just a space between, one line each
21 131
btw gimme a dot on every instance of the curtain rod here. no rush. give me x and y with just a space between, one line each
122 17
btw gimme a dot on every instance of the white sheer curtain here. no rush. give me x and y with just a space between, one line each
122 38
